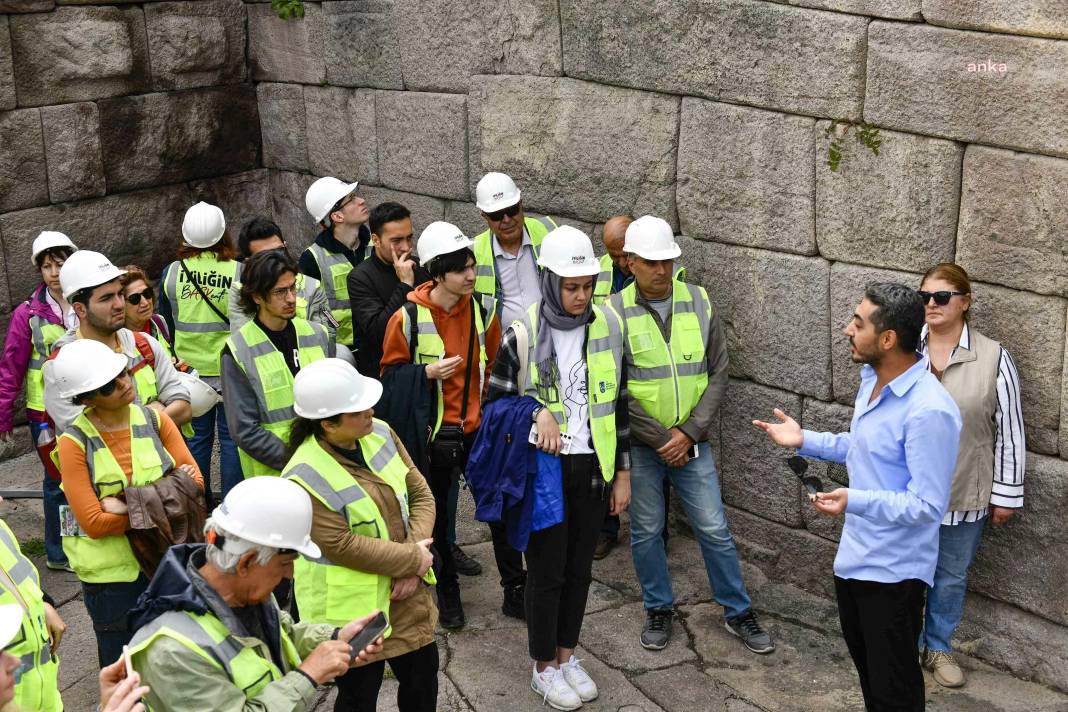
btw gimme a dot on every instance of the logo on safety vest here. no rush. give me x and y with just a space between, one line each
603 387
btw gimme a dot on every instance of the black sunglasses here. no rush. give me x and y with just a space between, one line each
941 298
511 211
108 388
136 297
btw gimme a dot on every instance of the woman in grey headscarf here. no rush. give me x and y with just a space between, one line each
572 366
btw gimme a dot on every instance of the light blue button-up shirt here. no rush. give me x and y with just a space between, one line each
901 451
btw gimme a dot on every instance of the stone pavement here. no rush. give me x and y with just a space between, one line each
485 667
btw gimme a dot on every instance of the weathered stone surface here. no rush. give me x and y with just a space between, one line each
774 56
919 81
610 635
116 225
363 44
897 209
754 475
162 138
1014 220
23 179
777 341
79 53
834 418
72 149
465 216
568 159
908 10
444 44
341 132
424 209
14 6
422 142
287 191
1032 575
286 50
283 125
7 77
745 176
683 688
1025 17
195 44
241 196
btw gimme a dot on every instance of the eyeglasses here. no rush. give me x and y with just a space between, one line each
108 388
343 202
283 292
511 211
136 297
941 298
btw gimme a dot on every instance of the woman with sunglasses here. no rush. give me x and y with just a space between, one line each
988 483
112 445
141 308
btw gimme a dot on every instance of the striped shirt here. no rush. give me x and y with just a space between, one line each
1009 443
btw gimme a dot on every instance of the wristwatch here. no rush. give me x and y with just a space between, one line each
534 413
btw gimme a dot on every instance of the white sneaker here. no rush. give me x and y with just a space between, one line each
554 690
579 680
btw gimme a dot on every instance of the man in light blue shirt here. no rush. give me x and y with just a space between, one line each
901 451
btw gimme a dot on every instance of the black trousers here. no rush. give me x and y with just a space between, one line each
560 559
417 683
881 625
108 605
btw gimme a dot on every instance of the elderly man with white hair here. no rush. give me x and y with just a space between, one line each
211 636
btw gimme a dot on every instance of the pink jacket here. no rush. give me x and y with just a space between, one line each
17 349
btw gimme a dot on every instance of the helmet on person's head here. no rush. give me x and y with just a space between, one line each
324 194
269 511
651 237
440 238
568 252
10 622
330 386
496 191
203 225
49 239
84 365
86 269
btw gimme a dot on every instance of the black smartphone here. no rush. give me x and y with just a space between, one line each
370 632
813 485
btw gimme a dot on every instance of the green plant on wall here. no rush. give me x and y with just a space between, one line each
837 132
288 9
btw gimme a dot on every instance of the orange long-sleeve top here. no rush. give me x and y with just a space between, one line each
78 486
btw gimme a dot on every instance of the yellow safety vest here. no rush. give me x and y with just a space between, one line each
199 333
37 687
270 378
487 290
327 592
110 559
602 290
667 380
43 334
334 269
604 372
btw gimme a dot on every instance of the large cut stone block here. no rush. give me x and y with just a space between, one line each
164 138
23 177
283 125
341 132
892 9
822 417
897 209
949 83
72 147
1023 17
422 142
424 209
14 6
1014 220
286 50
195 44
445 43
587 150
123 227
7 76
754 476
79 53
287 191
363 44
242 197
774 311
745 176
741 51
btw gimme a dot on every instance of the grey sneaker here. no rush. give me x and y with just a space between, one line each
657 629
755 638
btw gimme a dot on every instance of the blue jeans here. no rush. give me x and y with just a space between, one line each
945 600
698 490
200 445
53 499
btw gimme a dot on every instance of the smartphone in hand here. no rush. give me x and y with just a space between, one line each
369 634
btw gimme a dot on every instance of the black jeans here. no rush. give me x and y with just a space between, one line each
560 558
417 683
881 623
108 605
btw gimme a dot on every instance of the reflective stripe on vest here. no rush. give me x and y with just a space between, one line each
486 287
430 348
334 271
43 334
199 333
271 380
604 371
110 559
667 380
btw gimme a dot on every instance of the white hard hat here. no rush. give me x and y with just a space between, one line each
10 623
270 511
202 397
85 269
329 387
324 194
496 191
651 237
84 365
344 353
203 225
49 239
440 238
568 252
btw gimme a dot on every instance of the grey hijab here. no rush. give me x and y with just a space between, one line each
552 313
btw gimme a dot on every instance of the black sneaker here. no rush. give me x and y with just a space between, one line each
755 638
513 601
450 610
465 565
657 629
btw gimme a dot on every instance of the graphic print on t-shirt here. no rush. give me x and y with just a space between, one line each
576 393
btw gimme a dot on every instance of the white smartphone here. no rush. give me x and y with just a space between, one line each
126 658
565 439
